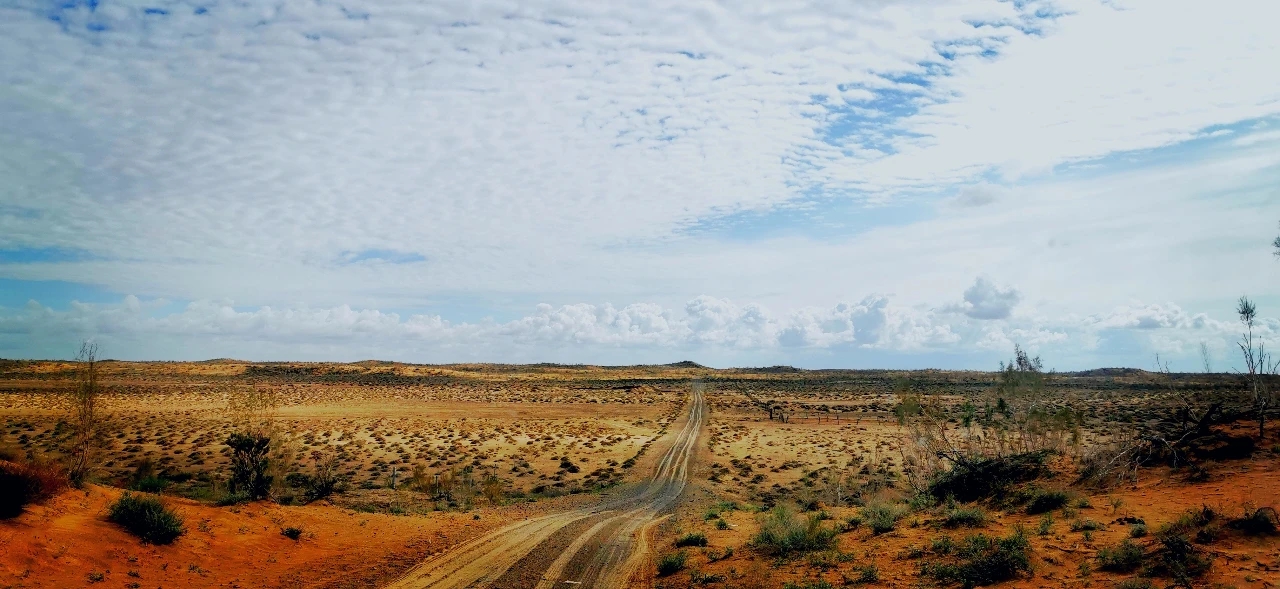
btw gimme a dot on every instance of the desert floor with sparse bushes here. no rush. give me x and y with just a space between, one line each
800 478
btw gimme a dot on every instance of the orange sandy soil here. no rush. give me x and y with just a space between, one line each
61 542
1159 497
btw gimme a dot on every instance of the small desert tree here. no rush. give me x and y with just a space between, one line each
1276 244
326 480
252 411
249 465
86 420
1025 418
1018 428
1259 364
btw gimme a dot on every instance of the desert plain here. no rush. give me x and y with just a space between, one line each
647 476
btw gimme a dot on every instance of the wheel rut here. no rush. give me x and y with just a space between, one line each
600 546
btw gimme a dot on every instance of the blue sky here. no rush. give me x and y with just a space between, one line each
892 184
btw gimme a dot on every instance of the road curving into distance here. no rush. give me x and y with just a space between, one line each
598 546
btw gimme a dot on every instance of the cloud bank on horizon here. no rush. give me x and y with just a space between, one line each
893 183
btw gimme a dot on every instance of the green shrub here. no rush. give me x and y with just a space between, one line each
145 478
783 533
700 578
869 574
153 484
1124 557
1192 519
1134 584
921 502
1046 524
671 563
722 525
881 517
1177 557
965 517
692 539
249 464
147 518
233 499
1138 530
943 545
326 480
819 584
1085 525
1044 500
828 559
984 561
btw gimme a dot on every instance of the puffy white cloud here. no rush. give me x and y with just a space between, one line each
861 324
1155 316
987 300
603 333
639 324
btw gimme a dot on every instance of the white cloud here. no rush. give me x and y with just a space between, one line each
987 300
862 324
391 154
1155 316
1100 80
706 326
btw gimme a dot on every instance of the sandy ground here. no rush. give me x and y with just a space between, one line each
521 425
60 543
1160 496
520 422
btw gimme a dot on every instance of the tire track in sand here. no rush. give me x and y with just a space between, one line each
604 555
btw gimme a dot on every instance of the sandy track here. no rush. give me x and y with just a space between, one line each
605 554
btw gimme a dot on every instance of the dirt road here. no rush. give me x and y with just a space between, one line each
599 546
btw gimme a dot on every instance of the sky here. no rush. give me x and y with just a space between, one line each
894 184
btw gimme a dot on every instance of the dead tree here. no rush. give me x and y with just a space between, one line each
1194 411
